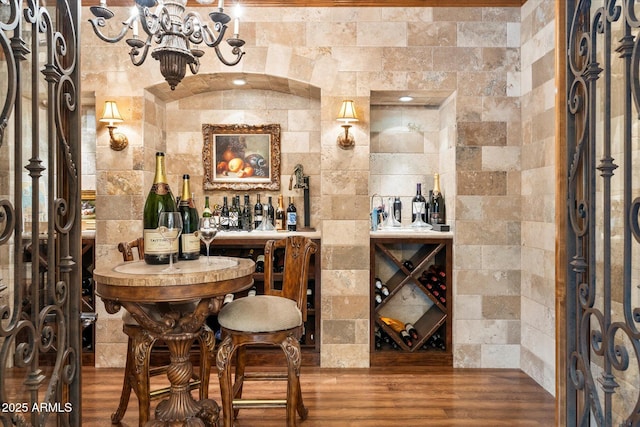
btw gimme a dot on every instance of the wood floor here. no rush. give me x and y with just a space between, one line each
381 397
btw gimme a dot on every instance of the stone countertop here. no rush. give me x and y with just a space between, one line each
239 235
408 232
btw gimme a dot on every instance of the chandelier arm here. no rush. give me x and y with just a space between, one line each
209 38
135 53
236 51
101 22
195 66
148 20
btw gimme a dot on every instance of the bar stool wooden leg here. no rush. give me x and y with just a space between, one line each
291 348
117 416
223 362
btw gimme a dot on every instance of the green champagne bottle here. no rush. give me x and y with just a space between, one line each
160 199
189 242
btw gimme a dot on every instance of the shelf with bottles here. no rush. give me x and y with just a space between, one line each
251 245
414 271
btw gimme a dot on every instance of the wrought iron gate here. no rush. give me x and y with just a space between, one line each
40 231
603 206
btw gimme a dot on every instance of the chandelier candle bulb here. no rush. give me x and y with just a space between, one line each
236 27
135 28
220 4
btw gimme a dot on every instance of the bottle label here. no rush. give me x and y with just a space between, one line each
190 243
279 224
160 188
155 244
291 218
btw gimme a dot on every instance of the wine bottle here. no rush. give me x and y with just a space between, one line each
419 205
309 298
206 212
189 243
384 290
234 214
252 292
378 297
397 209
408 265
257 213
292 216
247 222
280 216
437 202
160 199
271 212
260 264
224 214
406 338
413 332
227 299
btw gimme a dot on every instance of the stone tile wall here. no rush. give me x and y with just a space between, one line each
537 357
471 53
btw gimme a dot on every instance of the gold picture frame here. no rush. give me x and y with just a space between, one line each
241 157
88 209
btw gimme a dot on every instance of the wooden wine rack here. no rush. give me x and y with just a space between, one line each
431 316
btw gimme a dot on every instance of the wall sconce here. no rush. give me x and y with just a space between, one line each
111 115
347 114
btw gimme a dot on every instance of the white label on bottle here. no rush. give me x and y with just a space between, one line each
155 244
190 243
291 218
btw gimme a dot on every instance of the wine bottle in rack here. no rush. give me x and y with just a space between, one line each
406 338
411 330
309 298
408 265
160 199
378 297
260 264
252 291
382 288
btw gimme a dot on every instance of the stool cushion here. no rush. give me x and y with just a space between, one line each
260 313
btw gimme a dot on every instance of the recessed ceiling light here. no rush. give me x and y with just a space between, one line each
405 98
239 82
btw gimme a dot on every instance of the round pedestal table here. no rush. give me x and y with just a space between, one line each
156 300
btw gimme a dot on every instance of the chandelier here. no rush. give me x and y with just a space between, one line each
174 31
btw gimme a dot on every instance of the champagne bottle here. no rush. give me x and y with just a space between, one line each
160 199
437 203
224 214
292 219
419 205
280 216
206 212
189 243
257 213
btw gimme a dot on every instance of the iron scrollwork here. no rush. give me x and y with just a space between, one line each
601 345
41 322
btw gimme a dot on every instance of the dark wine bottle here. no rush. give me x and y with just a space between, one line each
413 332
309 298
292 216
397 209
437 203
406 338
189 245
260 264
271 212
247 221
257 213
224 214
408 265
234 214
160 199
419 205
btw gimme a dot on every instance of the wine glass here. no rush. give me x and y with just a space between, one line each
170 228
207 230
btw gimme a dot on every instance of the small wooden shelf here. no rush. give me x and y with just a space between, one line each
429 315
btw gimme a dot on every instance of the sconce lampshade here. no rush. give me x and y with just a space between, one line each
111 114
347 112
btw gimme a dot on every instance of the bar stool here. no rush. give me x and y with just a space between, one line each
275 318
139 346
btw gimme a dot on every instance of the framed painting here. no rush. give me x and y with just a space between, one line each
241 157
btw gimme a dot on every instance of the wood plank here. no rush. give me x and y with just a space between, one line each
403 396
345 3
